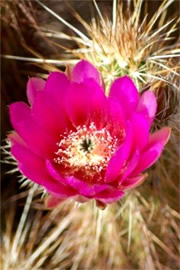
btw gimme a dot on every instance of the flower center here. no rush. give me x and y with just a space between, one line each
86 150
87 145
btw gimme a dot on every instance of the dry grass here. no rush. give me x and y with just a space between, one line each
137 233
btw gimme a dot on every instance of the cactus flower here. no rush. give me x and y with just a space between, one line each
76 142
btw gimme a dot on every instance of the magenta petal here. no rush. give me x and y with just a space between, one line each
119 159
34 175
124 90
148 105
116 122
161 135
53 172
14 138
34 85
41 177
109 196
84 70
34 168
57 85
29 131
19 112
48 114
153 149
133 182
77 104
140 129
59 190
148 158
52 201
100 188
82 188
85 103
35 137
131 165
98 103
30 164
26 156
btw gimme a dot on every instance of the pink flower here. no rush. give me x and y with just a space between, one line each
76 142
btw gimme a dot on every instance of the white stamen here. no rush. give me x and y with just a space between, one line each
86 149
